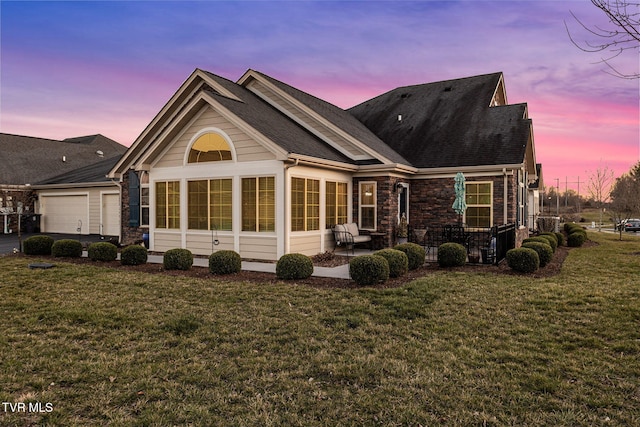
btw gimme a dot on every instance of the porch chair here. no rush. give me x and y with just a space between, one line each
348 235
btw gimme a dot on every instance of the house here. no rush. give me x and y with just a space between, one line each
64 181
262 168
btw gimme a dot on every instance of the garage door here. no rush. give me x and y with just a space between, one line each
110 214
64 214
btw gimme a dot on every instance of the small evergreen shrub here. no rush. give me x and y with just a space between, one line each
134 255
560 238
102 251
398 261
294 266
451 255
524 260
68 248
545 253
37 245
416 254
177 259
225 262
552 241
576 239
368 270
571 227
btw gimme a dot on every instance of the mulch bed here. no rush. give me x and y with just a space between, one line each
551 269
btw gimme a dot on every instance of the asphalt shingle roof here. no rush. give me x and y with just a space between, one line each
273 124
448 123
30 160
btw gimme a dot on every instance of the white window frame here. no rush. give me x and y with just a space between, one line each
374 205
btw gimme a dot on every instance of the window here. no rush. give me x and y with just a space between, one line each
210 147
305 204
479 198
336 203
168 204
258 204
210 204
368 205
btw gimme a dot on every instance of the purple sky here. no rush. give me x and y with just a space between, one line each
76 68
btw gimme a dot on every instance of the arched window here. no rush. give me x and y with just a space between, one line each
210 147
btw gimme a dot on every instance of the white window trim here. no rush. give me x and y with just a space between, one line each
223 134
374 205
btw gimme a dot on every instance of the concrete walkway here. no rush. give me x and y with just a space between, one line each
339 272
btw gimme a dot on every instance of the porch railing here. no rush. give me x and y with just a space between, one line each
483 245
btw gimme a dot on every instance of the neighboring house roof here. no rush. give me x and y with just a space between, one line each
449 123
93 173
30 160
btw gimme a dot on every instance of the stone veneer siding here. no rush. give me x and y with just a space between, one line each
430 202
130 235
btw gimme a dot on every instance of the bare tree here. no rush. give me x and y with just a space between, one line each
621 34
599 188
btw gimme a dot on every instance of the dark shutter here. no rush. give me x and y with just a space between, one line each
134 199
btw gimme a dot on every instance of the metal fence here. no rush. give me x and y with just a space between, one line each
483 245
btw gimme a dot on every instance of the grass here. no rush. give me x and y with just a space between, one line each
106 347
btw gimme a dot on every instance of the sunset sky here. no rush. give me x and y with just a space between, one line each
84 67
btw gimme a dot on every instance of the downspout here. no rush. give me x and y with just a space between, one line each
287 204
505 203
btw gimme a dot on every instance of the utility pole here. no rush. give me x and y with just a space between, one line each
558 197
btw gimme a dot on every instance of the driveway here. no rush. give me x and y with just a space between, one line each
10 241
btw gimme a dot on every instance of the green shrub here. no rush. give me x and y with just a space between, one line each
416 254
524 260
369 269
294 266
134 255
451 255
545 253
102 251
37 245
576 239
68 248
398 261
225 262
560 238
551 239
177 259
571 227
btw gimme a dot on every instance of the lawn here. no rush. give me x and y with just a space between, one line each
86 345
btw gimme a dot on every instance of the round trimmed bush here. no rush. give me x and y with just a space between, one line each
102 251
524 260
576 239
545 253
225 262
294 266
538 239
177 259
451 255
67 248
553 240
398 261
416 254
134 255
368 270
37 245
560 238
